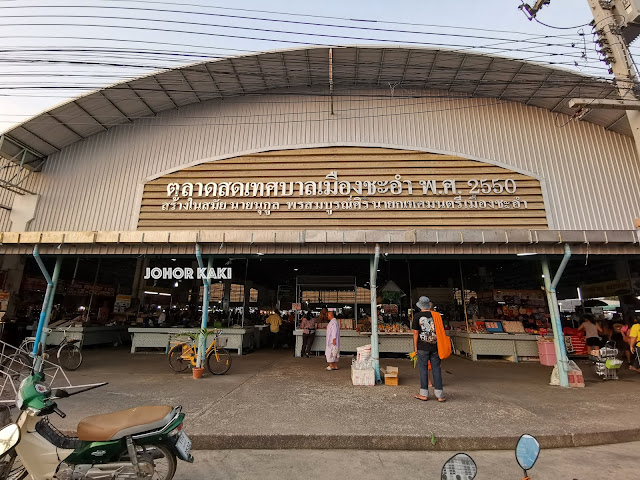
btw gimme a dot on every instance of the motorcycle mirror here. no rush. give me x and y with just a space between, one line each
9 438
459 467
527 451
60 393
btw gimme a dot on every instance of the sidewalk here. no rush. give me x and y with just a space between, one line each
271 400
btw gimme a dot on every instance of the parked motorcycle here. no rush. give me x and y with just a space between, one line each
135 444
462 467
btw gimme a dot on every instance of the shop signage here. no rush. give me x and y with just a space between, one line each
122 303
606 289
178 273
345 187
357 195
86 288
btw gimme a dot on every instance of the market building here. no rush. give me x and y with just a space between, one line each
289 167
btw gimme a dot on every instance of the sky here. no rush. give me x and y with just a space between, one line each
52 51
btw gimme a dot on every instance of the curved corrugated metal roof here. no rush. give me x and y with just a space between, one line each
460 73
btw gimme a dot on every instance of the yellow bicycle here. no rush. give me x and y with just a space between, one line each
185 353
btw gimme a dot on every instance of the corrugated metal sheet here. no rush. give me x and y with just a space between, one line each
321 249
591 176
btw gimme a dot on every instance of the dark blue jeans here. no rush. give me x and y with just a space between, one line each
423 365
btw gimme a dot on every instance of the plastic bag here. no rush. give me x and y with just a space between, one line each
555 377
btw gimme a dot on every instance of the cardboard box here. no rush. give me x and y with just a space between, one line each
391 376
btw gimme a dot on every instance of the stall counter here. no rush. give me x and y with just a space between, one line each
98 335
230 338
350 340
510 346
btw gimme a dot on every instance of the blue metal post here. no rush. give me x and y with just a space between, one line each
373 278
554 311
47 304
205 303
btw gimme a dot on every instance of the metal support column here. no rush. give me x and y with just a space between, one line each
47 304
373 276
554 310
205 303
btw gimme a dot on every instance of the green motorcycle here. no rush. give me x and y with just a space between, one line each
139 443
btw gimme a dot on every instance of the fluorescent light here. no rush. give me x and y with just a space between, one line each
164 294
526 254
580 293
150 293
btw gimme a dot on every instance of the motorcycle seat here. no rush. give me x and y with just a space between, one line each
116 425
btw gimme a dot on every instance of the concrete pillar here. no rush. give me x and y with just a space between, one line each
247 298
226 299
14 266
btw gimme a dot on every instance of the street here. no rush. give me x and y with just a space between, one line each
592 463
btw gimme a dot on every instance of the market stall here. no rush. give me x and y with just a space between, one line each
350 340
159 338
502 323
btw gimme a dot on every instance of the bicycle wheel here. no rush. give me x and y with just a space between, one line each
176 362
69 356
221 364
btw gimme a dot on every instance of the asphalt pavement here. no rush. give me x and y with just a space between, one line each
587 463
272 400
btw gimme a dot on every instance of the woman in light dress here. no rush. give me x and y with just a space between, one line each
332 349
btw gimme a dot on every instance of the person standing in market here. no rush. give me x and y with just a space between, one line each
431 345
634 344
592 331
275 321
308 326
332 348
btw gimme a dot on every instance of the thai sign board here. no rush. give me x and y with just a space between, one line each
348 187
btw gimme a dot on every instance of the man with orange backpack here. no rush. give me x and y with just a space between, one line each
431 345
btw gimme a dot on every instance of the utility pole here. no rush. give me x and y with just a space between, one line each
608 27
609 19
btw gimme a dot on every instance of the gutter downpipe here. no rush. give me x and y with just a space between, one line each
205 303
47 305
552 299
373 275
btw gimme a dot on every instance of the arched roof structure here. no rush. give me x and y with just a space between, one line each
460 73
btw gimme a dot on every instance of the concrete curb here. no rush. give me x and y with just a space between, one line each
403 442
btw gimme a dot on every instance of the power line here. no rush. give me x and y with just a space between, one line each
298 15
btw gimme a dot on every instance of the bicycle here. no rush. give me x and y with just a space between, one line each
69 352
183 354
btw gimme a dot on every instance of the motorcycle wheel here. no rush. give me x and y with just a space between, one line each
176 362
70 357
164 460
220 365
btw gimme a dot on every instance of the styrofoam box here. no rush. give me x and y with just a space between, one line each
363 377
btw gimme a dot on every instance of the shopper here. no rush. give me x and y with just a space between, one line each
308 326
332 348
431 345
622 343
275 321
634 343
591 330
